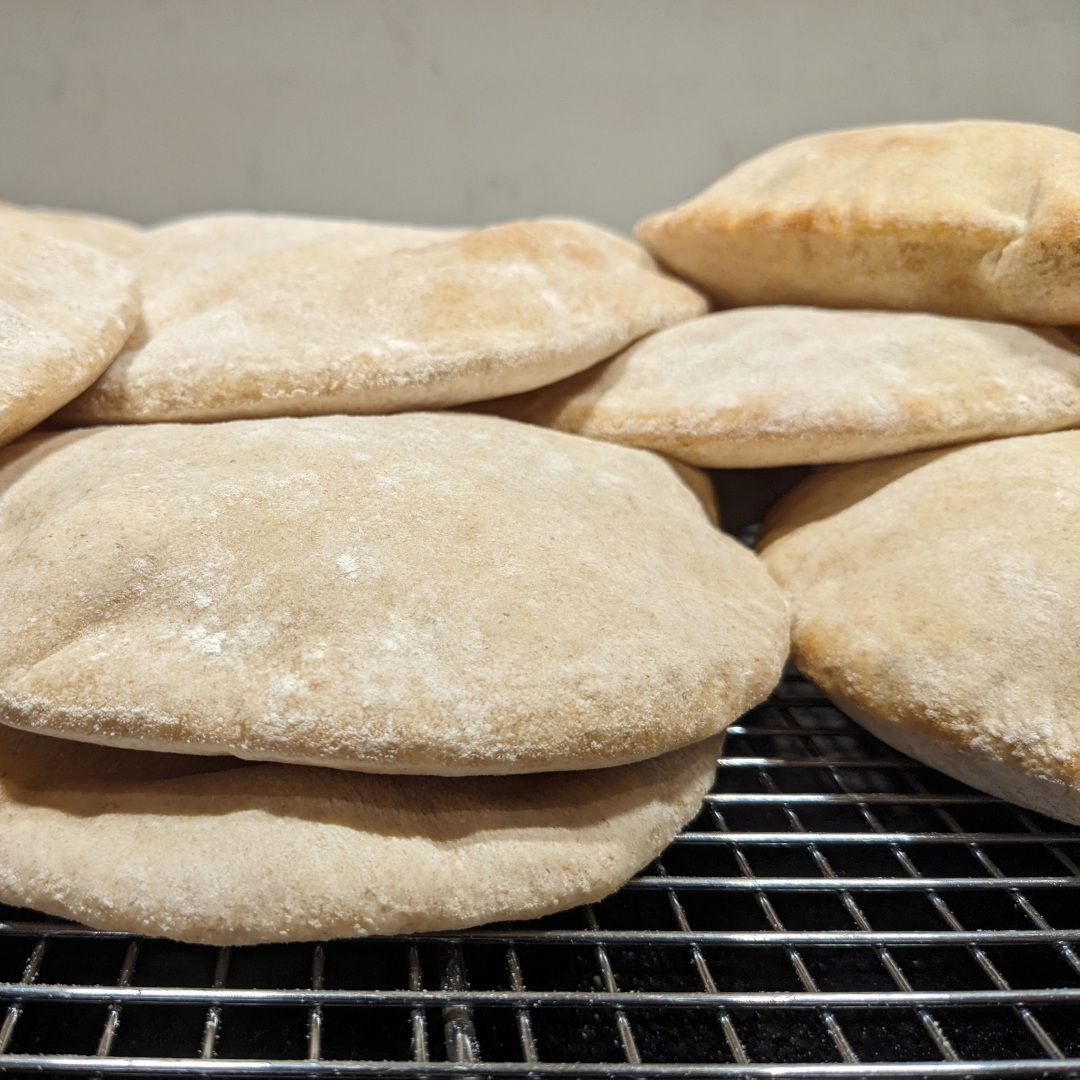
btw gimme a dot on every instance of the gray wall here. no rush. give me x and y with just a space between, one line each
481 110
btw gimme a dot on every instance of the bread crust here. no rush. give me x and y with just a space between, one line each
759 387
489 312
975 218
65 311
221 852
431 593
935 596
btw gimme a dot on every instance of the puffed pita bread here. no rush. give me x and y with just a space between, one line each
772 386
229 853
428 593
192 264
979 219
934 597
493 312
65 310
121 239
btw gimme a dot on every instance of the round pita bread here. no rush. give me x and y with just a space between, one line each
193 264
120 239
425 593
934 597
976 218
218 851
794 386
65 310
493 312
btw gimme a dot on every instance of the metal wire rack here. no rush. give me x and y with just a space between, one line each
835 910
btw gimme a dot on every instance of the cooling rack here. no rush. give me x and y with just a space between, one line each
835 910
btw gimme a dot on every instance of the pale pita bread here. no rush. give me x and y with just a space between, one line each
492 312
193 264
65 310
792 386
425 593
934 597
976 218
122 240
218 851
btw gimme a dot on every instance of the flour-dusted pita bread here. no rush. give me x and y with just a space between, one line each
792 386
493 312
975 218
229 853
934 597
193 264
121 239
65 310
429 593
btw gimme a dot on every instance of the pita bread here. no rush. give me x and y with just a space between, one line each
792 386
492 312
193 264
426 593
65 310
218 851
120 239
934 597
979 219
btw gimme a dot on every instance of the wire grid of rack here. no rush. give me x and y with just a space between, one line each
835 910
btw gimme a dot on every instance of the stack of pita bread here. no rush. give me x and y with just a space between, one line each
285 654
888 291
326 664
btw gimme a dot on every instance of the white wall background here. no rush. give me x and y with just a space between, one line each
474 111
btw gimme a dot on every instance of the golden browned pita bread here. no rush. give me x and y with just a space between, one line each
121 239
65 310
426 593
494 311
221 851
975 218
791 386
934 597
